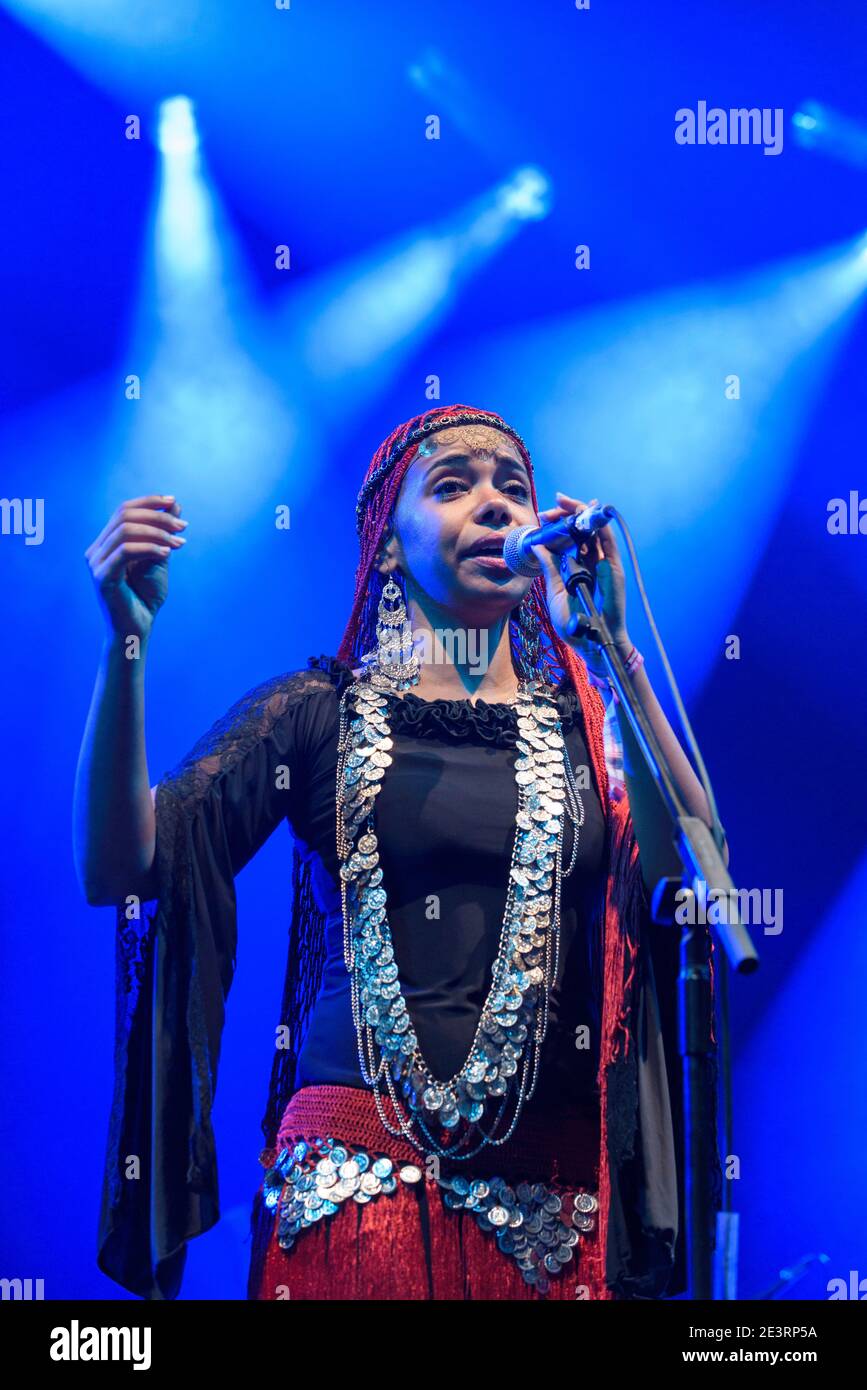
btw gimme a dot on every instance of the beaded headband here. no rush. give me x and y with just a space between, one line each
439 422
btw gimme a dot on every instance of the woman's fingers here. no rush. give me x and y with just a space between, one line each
605 547
113 564
138 531
142 528
600 545
575 504
153 510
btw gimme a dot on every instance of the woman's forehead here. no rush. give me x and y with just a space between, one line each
475 440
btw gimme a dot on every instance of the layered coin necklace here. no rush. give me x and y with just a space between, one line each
503 1059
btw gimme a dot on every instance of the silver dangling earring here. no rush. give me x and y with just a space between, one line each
395 659
530 649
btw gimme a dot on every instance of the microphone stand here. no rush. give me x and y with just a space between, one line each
703 870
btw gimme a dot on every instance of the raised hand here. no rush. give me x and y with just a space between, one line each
599 552
129 562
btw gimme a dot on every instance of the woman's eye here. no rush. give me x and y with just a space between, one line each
522 492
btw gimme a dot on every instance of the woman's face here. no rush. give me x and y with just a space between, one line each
466 485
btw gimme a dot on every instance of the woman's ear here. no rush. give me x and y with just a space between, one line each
386 556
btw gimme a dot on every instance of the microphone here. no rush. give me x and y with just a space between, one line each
516 549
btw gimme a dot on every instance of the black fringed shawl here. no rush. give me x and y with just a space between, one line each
175 961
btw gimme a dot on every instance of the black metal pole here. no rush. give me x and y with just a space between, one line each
703 869
695 1032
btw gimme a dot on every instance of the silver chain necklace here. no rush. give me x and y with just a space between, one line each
514 1018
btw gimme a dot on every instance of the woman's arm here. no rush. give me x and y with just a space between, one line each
114 824
653 828
113 811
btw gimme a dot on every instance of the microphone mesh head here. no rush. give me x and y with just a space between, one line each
520 561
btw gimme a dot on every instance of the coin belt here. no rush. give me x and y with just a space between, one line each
535 1225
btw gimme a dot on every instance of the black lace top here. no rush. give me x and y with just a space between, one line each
445 820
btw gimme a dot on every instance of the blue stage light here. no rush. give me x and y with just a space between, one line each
821 128
177 133
527 195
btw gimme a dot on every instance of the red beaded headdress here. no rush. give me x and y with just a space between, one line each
374 509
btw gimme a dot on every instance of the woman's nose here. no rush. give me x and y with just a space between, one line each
493 509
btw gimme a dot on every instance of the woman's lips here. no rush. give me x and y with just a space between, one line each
489 560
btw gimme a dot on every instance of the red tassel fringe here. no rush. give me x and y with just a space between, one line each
407 1244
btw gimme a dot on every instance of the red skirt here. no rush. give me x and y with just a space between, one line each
409 1244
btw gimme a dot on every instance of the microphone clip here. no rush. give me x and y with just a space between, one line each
575 572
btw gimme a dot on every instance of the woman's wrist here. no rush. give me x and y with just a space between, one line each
629 655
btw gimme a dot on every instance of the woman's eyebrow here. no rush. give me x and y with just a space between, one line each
461 457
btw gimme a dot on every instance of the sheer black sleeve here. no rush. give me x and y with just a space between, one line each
175 961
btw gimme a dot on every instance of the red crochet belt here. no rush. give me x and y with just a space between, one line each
561 1145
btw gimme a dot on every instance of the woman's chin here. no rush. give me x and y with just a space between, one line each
484 601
